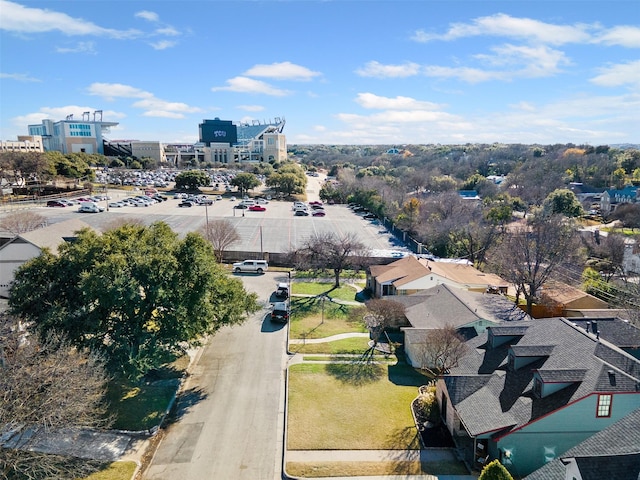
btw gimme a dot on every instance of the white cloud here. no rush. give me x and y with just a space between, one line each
19 77
466 74
163 44
501 25
249 85
623 35
110 91
147 15
20 19
376 69
168 31
282 71
620 74
152 106
372 101
80 47
251 108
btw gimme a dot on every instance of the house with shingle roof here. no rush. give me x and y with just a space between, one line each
527 391
622 333
470 313
566 297
612 453
28 245
411 275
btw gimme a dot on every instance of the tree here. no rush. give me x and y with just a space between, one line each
495 471
530 254
21 222
628 214
328 250
382 314
136 294
192 179
47 385
409 215
287 183
562 201
245 182
442 350
222 234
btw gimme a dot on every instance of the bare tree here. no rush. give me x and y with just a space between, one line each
530 254
222 234
21 222
331 251
45 386
443 349
382 314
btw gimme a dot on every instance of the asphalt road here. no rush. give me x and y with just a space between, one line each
230 417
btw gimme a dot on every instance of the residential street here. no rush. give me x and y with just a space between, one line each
230 419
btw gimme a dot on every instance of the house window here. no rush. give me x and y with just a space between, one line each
604 406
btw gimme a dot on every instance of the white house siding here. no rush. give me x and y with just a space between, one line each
12 255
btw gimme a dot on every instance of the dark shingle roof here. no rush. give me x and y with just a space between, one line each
613 447
587 364
614 330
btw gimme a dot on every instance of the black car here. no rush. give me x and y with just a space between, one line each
301 213
186 203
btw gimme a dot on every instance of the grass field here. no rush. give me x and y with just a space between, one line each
349 469
352 406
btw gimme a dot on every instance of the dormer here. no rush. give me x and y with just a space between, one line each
521 355
546 382
500 335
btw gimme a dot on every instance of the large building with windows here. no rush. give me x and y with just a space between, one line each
220 141
73 136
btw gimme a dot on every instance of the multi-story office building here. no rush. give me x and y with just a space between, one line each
73 136
25 143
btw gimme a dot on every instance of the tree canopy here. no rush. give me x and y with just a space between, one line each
192 179
245 182
135 293
562 201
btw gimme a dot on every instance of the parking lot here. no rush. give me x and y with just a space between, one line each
276 229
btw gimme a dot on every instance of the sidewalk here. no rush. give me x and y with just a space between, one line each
429 455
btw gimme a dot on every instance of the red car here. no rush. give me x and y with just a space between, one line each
257 208
318 213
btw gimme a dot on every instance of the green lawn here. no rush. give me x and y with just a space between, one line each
115 471
350 469
352 406
343 292
355 345
315 325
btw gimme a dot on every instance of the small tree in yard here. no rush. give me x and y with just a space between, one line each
222 234
495 471
21 222
442 351
328 250
382 314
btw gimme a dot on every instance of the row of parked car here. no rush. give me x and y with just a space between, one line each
314 208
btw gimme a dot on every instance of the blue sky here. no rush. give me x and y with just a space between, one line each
338 72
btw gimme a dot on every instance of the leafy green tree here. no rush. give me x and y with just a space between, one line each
495 471
135 293
192 179
562 201
245 182
287 183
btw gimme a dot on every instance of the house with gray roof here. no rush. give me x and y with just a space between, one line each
28 245
527 391
612 453
470 313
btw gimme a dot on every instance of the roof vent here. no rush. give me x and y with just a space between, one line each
612 377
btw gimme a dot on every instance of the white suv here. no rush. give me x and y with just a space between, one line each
251 266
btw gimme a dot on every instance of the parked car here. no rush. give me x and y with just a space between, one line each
186 203
55 203
90 207
315 202
251 266
241 206
301 213
280 312
116 204
282 290
370 216
318 213
257 208
218 198
262 201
